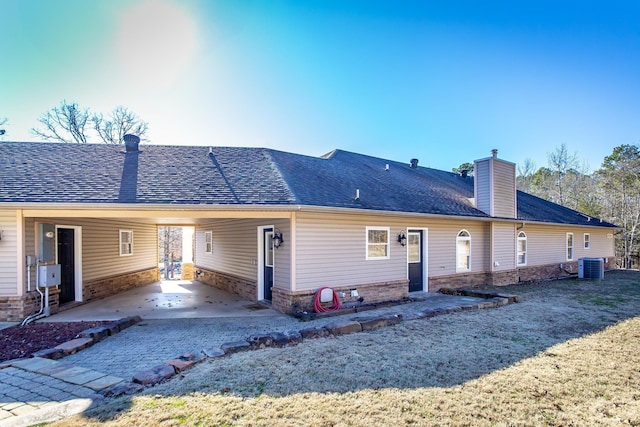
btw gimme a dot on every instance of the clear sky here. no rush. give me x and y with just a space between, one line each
443 81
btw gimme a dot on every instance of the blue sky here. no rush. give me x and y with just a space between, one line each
443 81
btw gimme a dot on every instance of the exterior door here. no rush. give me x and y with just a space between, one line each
415 259
66 259
268 262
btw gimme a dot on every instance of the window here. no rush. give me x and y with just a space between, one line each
208 242
522 248
569 246
126 242
463 251
377 243
587 240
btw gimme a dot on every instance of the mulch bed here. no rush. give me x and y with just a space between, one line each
22 341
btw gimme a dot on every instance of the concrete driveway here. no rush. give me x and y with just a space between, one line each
169 299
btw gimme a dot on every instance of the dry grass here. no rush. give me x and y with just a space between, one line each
569 354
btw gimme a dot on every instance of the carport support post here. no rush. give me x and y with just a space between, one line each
187 253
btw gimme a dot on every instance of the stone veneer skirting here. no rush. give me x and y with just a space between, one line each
187 271
509 277
105 287
16 308
245 288
291 302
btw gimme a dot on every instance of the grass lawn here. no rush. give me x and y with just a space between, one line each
567 354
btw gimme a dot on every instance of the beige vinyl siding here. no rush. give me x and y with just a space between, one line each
504 246
442 246
8 253
30 246
331 251
235 249
101 246
482 180
547 244
504 189
601 246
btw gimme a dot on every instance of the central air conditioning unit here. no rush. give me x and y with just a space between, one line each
591 268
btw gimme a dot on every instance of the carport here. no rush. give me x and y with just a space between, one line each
105 282
168 299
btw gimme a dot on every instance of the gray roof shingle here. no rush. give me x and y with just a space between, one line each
101 173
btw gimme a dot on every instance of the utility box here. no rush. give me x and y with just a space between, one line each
48 275
46 242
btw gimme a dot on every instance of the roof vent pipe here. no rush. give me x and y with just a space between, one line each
464 173
414 163
131 142
494 153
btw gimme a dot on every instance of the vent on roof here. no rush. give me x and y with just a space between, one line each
414 163
131 142
494 153
464 173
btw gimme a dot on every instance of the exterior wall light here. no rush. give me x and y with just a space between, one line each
278 240
402 239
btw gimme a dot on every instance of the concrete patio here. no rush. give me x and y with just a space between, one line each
168 299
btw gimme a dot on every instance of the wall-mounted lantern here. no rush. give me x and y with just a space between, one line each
278 240
402 239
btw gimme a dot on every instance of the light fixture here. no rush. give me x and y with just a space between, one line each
49 234
402 239
278 240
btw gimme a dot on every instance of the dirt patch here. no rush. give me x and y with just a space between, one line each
22 341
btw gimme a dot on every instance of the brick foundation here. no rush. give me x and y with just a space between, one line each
187 271
292 302
519 275
546 272
245 288
101 288
14 309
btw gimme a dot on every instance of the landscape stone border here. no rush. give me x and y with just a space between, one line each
87 338
172 367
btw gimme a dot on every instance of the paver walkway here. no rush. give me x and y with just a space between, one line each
34 390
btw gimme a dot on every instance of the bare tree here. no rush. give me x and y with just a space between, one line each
65 123
525 175
561 162
170 246
121 121
620 180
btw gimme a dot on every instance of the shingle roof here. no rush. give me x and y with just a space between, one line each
92 173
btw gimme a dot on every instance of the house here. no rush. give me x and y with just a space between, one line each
271 225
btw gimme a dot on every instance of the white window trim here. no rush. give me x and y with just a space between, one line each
120 242
388 245
208 245
573 245
526 248
463 238
586 239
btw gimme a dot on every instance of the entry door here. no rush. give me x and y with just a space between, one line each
66 259
415 259
268 262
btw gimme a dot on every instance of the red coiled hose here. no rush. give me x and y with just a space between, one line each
317 306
